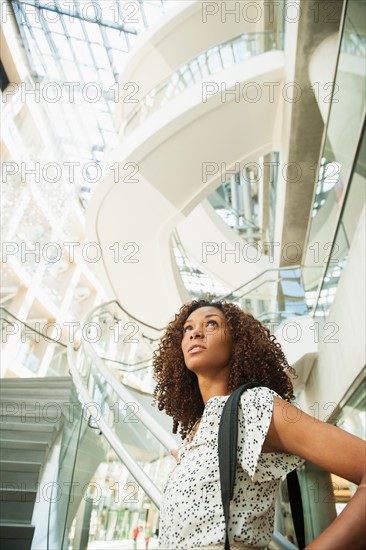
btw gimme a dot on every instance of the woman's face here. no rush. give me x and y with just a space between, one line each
207 341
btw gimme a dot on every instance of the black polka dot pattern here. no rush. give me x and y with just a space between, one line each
191 515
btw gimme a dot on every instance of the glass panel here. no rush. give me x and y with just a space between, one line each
58 49
337 254
100 56
125 345
74 28
107 502
93 32
65 488
117 39
63 47
273 296
343 132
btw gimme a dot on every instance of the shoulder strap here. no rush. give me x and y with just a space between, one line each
227 445
294 494
227 449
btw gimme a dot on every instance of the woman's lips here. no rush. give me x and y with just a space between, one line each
196 349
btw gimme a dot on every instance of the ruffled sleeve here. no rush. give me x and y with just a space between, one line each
255 416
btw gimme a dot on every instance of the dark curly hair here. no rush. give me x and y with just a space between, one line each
257 357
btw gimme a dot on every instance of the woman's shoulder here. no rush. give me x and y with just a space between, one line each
257 404
258 395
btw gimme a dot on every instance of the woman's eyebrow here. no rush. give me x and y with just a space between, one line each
208 315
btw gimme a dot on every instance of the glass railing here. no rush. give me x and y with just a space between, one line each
237 200
121 466
338 253
94 499
354 40
273 296
65 490
125 419
119 413
339 197
207 63
29 352
125 344
198 284
111 503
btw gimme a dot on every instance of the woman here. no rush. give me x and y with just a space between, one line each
208 351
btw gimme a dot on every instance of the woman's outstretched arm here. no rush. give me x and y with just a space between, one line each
333 450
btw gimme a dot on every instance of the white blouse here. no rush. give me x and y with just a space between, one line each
191 515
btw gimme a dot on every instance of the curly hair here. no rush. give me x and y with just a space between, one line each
257 357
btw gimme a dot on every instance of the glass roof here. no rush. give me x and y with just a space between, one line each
76 49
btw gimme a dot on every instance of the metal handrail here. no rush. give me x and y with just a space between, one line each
124 394
287 268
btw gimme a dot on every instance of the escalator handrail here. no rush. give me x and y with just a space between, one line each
135 470
124 394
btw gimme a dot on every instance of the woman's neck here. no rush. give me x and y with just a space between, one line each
211 388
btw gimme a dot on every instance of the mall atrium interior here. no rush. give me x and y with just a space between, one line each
155 152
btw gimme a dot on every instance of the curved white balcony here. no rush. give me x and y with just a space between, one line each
168 152
169 45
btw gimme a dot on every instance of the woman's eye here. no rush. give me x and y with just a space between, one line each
187 328
212 323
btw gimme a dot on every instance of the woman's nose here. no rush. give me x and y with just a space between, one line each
197 332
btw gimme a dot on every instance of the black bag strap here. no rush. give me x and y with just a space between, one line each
227 449
227 446
294 494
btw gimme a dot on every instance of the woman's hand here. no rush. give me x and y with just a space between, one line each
175 454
